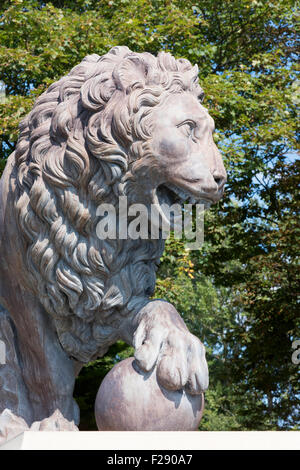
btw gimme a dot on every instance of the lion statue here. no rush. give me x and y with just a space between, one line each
123 124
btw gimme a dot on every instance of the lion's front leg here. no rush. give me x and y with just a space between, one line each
161 338
38 376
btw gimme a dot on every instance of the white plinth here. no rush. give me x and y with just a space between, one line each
199 440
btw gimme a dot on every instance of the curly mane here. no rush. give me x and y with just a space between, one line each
80 147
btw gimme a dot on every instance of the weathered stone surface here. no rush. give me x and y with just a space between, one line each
124 124
55 422
132 400
12 425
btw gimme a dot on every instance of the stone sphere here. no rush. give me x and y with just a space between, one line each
132 400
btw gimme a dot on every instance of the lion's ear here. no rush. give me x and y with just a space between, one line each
130 73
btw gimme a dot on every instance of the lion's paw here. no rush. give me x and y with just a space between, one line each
162 339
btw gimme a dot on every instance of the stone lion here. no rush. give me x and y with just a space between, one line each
121 124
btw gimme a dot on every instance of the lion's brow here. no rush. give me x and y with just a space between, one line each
193 117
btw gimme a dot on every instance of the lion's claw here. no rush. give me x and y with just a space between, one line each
162 339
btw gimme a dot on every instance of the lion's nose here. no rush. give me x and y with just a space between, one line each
220 178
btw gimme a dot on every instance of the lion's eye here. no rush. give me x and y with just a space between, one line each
187 128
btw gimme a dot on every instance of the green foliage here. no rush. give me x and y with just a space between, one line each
239 292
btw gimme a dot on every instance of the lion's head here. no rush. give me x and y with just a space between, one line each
121 124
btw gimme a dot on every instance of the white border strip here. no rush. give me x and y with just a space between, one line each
199 440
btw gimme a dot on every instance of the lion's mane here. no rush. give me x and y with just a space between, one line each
80 146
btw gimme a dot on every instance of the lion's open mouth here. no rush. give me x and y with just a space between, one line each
169 194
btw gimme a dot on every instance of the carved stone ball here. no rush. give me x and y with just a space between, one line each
132 400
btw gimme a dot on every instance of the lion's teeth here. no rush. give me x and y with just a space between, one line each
183 195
